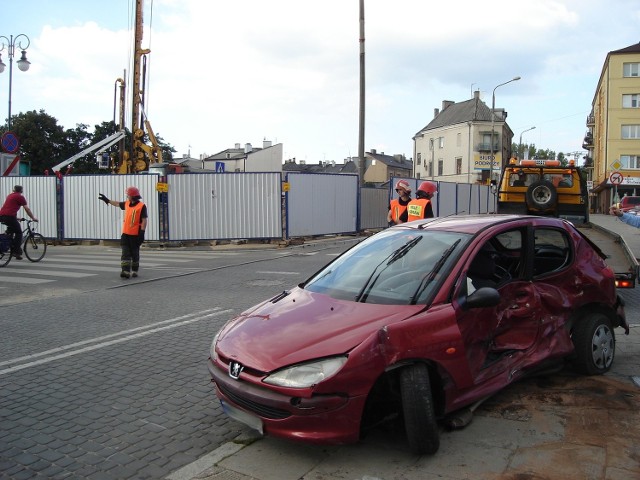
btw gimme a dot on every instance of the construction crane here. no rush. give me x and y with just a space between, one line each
141 155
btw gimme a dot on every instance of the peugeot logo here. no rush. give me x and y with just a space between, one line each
234 370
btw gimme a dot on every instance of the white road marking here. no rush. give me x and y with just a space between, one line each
52 273
25 280
131 334
278 273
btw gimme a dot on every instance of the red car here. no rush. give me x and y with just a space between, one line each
629 204
419 322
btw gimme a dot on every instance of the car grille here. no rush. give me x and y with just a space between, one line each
257 408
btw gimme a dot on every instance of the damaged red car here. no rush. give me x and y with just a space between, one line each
418 322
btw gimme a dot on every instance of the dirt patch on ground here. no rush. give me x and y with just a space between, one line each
600 416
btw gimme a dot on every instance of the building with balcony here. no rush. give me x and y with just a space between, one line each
613 129
458 145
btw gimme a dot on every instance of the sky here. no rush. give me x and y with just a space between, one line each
222 73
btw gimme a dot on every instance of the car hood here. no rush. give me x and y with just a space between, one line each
303 326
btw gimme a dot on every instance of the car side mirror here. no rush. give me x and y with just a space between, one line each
482 297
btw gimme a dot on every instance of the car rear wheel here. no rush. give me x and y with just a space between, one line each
420 421
541 195
595 344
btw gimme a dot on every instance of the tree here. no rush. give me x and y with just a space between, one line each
44 144
42 141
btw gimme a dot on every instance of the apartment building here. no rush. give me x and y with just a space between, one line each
613 129
459 144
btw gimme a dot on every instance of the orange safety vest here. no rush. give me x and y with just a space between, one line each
416 209
131 223
397 210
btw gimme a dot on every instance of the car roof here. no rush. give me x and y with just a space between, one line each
472 224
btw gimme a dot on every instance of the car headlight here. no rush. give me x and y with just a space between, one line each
306 374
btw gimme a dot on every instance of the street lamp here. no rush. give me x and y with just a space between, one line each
23 63
493 119
520 143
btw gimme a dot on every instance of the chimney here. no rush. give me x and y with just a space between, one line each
446 104
373 151
237 147
266 143
436 112
247 148
476 95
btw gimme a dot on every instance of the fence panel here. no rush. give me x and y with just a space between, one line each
321 204
87 218
40 193
214 206
374 206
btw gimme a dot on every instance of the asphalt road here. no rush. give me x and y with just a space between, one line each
106 378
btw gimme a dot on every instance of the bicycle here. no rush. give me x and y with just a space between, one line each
34 244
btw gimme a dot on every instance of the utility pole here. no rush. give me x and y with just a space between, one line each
361 161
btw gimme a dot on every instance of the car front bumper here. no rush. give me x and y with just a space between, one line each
322 419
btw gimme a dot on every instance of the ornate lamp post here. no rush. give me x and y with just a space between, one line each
23 42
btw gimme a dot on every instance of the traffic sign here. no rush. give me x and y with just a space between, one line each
616 178
220 167
10 142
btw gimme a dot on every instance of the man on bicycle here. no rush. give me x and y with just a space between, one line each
9 216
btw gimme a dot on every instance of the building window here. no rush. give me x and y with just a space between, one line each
430 170
440 142
418 175
459 140
630 131
419 160
486 142
631 101
440 166
631 69
631 162
431 144
459 166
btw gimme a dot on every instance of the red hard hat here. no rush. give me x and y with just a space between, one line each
133 192
403 184
428 187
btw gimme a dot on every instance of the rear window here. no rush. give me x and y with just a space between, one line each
630 201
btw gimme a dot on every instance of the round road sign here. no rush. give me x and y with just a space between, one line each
10 142
616 178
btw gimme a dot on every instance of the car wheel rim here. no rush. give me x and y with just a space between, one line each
602 347
541 195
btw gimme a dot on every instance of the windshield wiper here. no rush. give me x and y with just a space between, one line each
434 271
389 259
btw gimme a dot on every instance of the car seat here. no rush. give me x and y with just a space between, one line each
482 270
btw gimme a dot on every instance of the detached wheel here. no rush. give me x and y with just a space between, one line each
595 344
541 195
417 406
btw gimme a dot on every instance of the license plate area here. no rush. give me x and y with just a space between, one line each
243 417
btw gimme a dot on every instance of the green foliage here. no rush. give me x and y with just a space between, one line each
44 143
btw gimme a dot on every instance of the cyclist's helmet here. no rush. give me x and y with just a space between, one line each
133 192
404 185
427 189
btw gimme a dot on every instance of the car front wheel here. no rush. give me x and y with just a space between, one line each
594 343
420 421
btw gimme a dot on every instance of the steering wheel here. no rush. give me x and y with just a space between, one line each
501 275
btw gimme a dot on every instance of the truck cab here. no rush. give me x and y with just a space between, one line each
543 187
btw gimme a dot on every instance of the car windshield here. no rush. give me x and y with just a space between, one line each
396 266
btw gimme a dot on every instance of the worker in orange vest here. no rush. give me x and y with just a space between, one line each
421 207
133 228
398 206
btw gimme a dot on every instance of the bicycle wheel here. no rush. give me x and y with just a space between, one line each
35 247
